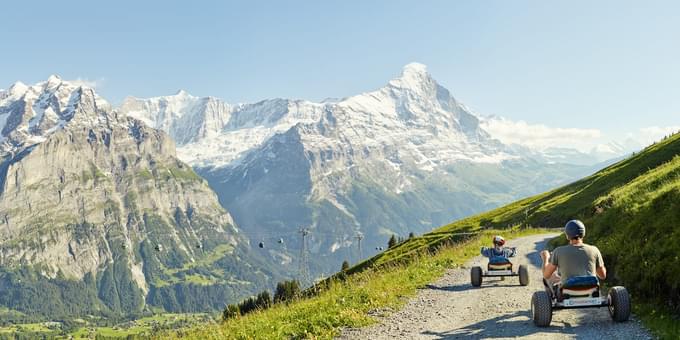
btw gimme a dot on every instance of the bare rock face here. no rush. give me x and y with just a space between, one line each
97 215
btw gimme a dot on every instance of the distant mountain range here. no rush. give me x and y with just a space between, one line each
404 158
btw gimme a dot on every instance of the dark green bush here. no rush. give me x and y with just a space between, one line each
231 312
287 291
392 242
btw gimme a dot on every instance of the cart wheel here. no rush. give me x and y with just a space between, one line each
541 309
476 276
619 303
523 275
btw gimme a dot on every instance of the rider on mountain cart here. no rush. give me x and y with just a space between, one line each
498 250
498 255
572 277
576 259
499 264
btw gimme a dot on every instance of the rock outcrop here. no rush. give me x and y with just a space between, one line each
97 214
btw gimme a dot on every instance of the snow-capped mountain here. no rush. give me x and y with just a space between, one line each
30 114
412 105
612 150
98 216
210 132
406 157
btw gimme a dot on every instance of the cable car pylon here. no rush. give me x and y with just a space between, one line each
303 269
359 237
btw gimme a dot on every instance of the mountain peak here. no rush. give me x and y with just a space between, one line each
414 76
54 104
182 93
414 68
53 79
17 88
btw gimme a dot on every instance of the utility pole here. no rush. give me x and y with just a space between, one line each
303 270
359 237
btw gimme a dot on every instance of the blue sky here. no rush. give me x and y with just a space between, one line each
608 66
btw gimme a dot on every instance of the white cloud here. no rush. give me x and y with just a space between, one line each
651 134
541 136
87 82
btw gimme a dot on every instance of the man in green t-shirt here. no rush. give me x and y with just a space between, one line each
574 259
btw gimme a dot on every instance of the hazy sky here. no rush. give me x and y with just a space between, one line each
601 68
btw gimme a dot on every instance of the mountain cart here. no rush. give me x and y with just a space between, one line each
578 292
499 266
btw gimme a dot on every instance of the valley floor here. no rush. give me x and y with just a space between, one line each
141 328
451 308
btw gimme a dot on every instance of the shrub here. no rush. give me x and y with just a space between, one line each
231 312
287 291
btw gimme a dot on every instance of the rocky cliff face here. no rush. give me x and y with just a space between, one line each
185 117
97 215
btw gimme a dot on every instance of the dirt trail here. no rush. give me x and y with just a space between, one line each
452 309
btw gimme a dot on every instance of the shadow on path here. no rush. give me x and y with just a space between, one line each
467 286
516 324
534 256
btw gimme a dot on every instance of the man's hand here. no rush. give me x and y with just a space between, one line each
545 255
548 268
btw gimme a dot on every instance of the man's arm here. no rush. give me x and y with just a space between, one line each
599 266
548 267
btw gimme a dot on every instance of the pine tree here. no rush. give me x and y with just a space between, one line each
248 305
392 242
264 300
345 265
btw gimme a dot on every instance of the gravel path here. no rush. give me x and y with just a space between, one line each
452 309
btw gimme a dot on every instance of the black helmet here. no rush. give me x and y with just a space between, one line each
575 229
